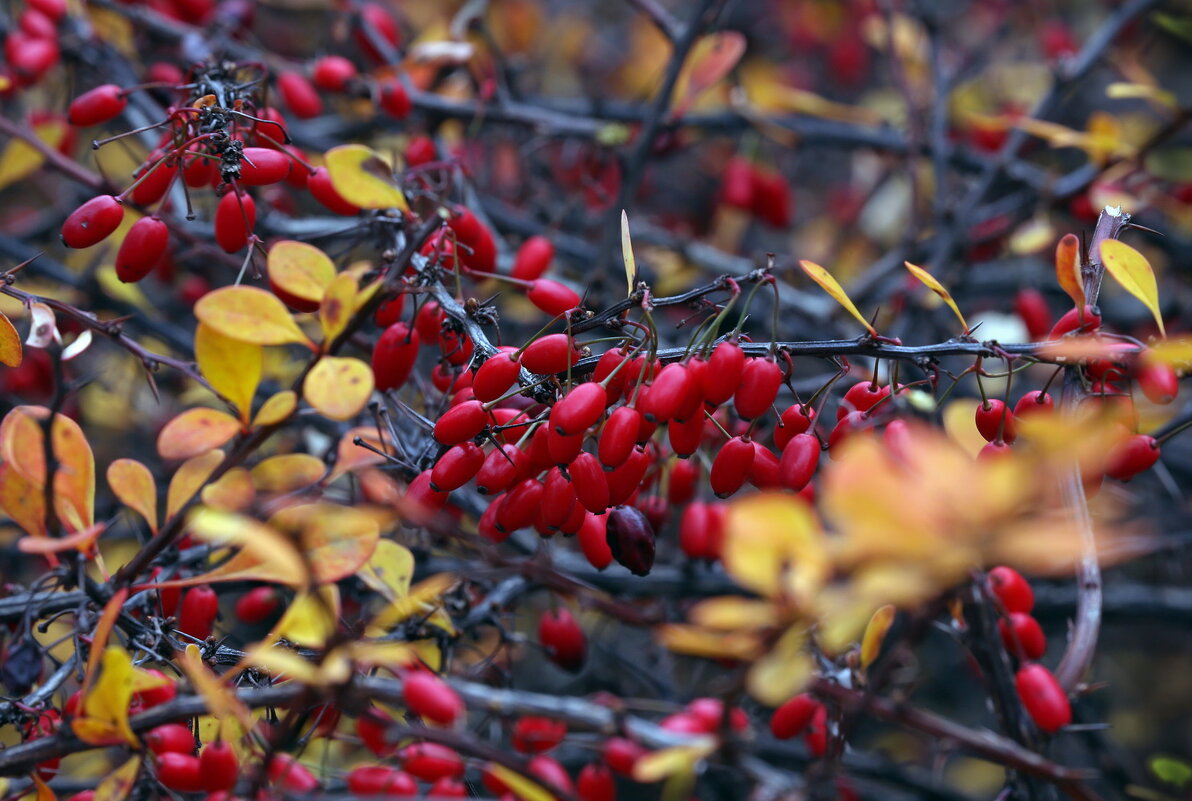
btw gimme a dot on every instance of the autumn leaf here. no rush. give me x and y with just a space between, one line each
133 484
773 545
222 702
875 634
1067 268
338 386
20 159
189 478
658 765
231 492
195 432
276 408
627 254
249 314
520 786
929 281
10 343
232 367
712 58
361 177
336 540
309 619
1131 269
287 472
337 307
783 671
830 285
117 785
274 552
389 570
299 270
104 716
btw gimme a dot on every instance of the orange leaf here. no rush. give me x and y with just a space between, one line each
233 492
74 481
270 547
222 702
22 443
928 280
300 270
1067 268
336 540
712 58
83 540
829 285
103 630
363 178
338 387
44 791
10 343
350 456
117 785
1131 269
249 314
195 432
875 633
232 367
133 484
338 305
189 478
288 472
23 501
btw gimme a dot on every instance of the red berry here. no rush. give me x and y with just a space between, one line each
447 787
621 755
30 56
1074 321
54 9
995 421
723 374
92 222
431 761
763 472
156 695
1158 382
235 217
795 419
321 189
626 479
97 106
461 423
1136 455
262 166
1032 308
394 355
731 466
771 202
701 530
533 258
1034 402
564 640
671 394
1043 698
287 774
495 377
420 150
200 606
170 738
760 381
430 697
143 245
595 783
369 780
736 188
799 460
333 73
593 541
219 766
794 716
372 727
552 297
501 469
394 99
258 605
299 95
180 772
152 187
456 467
591 485
861 396
1022 635
1014 591
578 409
534 735
618 436
376 20
549 354
551 773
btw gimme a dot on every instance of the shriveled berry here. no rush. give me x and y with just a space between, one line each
631 539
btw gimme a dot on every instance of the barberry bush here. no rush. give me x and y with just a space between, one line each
580 401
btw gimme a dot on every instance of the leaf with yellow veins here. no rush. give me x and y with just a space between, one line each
310 620
10 343
133 484
232 367
832 287
104 716
195 432
928 280
249 314
189 478
222 701
337 307
875 633
361 177
299 273
1067 268
338 387
1132 270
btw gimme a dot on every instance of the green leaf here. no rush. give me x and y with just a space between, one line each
1177 26
1171 770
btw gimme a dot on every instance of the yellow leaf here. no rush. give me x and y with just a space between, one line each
1175 352
1120 90
222 702
104 718
337 306
875 634
696 641
232 367
729 613
310 620
22 501
1067 268
276 409
189 478
103 630
282 662
195 432
336 540
658 765
961 425
363 178
119 783
1131 269
249 314
829 285
273 551
383 654
10 343
928 280
783 672
416 602
20 160
338 387
232 492
389 570
288 472
519 785
627 254
133 484
774 546
299 270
